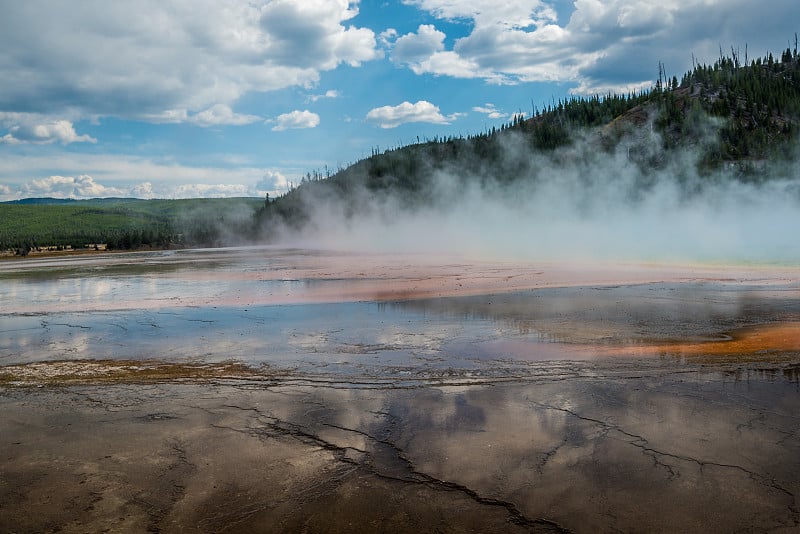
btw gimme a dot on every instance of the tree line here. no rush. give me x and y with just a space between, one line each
733 113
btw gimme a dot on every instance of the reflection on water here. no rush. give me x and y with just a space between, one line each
602 404
652 453
626 314
447 333
221 305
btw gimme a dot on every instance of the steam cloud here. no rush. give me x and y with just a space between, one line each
578 203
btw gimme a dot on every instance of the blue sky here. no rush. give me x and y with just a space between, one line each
202 98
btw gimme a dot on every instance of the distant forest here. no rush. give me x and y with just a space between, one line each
737 117
125 224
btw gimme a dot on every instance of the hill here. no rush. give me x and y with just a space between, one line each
124 223
733 120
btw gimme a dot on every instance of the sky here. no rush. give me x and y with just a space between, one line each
210 98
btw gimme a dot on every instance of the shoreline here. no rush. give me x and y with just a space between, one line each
11 255
278 276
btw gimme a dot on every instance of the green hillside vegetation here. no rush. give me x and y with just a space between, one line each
125 223
734 117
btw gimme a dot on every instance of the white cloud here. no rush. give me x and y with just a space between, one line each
221 114
309 33
609 45
38 129
272 182
388 37
216 115
82 186
92 175
209 191
422 111
416 47
490 111
141 59
330 93
518 13
423 52
296 120
451 64
143 190
592 87
511 42
121 168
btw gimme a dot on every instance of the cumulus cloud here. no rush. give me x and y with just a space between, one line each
518 13
415 47
272 182
422 111
124 175
309 33
83 186
34 128
612 45
423 52
140 60
296 120
511 42
103 175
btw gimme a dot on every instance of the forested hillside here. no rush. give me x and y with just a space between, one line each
125 223
733 119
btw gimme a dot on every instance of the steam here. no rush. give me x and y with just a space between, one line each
215 223
577 203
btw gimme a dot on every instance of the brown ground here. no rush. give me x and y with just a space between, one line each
690 435
591 449
747 344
